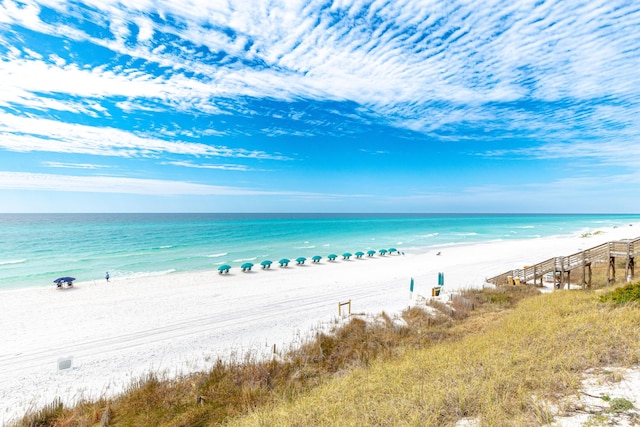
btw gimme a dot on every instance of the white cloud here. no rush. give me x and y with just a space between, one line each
420 65
106 184
25 134
601 153
121 185
241 168
74 165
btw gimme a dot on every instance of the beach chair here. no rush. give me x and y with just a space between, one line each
510 281
517 281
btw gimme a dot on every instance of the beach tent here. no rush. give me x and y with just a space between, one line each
316 258
284 262
300 260
359 254
246 266
266 263
224 268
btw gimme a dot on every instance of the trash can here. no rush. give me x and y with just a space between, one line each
435 291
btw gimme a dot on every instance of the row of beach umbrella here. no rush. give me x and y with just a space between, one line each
284 262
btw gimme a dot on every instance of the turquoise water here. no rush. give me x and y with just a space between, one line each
37 248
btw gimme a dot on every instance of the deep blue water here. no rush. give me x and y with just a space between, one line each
37 248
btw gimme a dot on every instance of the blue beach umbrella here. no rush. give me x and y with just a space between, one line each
316 258
224 268
359 254
284 262
61 280
382 251
392 250
266 263
300 260
347 255
332 257
371 253
246 266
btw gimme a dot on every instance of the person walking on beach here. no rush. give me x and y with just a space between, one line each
106 276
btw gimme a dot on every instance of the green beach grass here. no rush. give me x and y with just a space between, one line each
502 357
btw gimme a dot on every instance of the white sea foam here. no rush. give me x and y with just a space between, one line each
141 274
245 259
15 261
429 235
217 255
305 247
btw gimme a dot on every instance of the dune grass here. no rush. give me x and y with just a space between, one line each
503 357
511 370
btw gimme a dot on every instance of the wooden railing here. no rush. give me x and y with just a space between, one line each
560 268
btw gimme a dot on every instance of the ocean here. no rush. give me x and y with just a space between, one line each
35 249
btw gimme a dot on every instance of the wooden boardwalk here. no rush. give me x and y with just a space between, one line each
559 269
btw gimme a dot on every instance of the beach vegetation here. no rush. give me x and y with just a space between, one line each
497 357
623 295
620 404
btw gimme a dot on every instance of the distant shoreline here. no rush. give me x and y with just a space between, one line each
41 247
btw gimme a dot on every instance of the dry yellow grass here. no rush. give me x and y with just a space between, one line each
506 373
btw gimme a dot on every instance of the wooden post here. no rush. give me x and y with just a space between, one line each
561 282
584 262
611 271
340 304
564 276
626 265
631 263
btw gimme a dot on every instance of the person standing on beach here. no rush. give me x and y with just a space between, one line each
106 276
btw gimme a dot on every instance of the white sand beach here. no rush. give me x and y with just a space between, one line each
180 323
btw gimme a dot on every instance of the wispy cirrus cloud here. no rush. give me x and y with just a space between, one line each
122 185
599 153
62 165
26 181
225 167
24 134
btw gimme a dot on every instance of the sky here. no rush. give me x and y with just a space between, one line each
320 106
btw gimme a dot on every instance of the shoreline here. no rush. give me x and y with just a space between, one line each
183 322
119 244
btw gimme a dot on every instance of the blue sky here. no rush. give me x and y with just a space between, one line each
320 106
